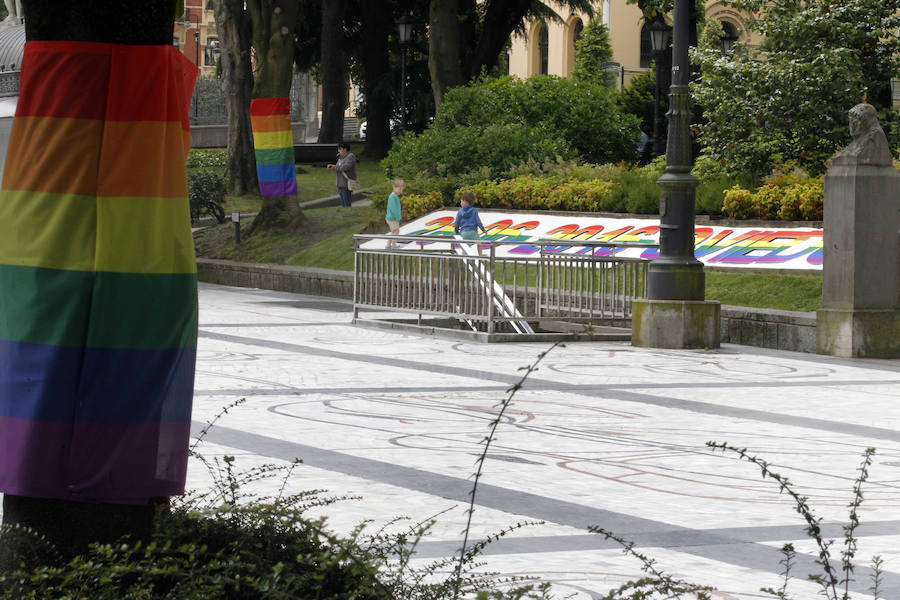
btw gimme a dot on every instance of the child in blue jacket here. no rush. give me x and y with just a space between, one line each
467 222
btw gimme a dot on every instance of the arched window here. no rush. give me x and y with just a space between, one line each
646 48
574 29
729 36
544 50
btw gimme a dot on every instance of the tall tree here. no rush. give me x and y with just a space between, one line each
376 18
444 50
479 33
236 80
334 71
99 313
273 23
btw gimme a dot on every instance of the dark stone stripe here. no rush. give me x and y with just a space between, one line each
873 433
743 551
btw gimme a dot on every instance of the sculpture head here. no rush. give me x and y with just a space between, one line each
863 119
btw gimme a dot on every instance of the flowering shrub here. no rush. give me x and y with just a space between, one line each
801 200
529 192
737 204
766 201
416 205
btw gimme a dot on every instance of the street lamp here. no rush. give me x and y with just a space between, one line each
404 31
660 34
677 274
188 25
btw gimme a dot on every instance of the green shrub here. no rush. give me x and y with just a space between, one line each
737 203
207 157
504 122
812 200
416 205
206 192
766 201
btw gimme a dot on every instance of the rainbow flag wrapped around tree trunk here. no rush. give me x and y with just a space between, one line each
270 119
98 280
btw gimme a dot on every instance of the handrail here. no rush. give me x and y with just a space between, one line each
497 290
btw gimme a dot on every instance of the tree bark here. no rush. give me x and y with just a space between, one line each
334 72
444 47
377 22
273 24
501 17
236 80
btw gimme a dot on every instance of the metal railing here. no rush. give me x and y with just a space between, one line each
492 290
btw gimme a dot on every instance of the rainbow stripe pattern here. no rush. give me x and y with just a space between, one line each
270 119
98 310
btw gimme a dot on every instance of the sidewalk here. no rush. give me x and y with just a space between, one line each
602 434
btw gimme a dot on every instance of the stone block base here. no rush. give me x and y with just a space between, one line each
858 333
675 324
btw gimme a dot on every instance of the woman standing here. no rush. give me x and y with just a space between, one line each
345 173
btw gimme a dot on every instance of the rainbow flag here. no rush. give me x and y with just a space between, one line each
270 119
98 281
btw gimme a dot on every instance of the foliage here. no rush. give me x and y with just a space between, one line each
207 157
417 205
528 192
592 50
781 197
638 97
789 100
206 192
499 123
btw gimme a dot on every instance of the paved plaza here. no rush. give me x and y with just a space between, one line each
602 434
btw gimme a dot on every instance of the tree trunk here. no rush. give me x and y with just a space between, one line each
500 20
236 80
444 48
273 23
377 22
69 524
334 72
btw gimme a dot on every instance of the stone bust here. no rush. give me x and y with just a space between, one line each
869 145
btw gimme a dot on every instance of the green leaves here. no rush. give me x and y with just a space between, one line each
788 100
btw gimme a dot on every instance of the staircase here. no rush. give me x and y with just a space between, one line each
350 127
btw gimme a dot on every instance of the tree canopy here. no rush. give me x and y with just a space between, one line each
787 101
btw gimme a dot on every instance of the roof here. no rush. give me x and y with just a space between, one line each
12 47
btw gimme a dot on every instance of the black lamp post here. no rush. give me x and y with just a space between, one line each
677 274
660 34
404 31
187 25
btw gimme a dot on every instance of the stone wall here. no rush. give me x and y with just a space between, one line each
216 136
768 328
298 280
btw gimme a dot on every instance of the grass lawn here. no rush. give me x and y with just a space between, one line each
782 292
318 182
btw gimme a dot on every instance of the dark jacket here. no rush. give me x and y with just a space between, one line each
467 218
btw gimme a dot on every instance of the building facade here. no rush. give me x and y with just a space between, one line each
196 36
550 48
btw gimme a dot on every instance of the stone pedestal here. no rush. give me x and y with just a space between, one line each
675 324
860 313
858 333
